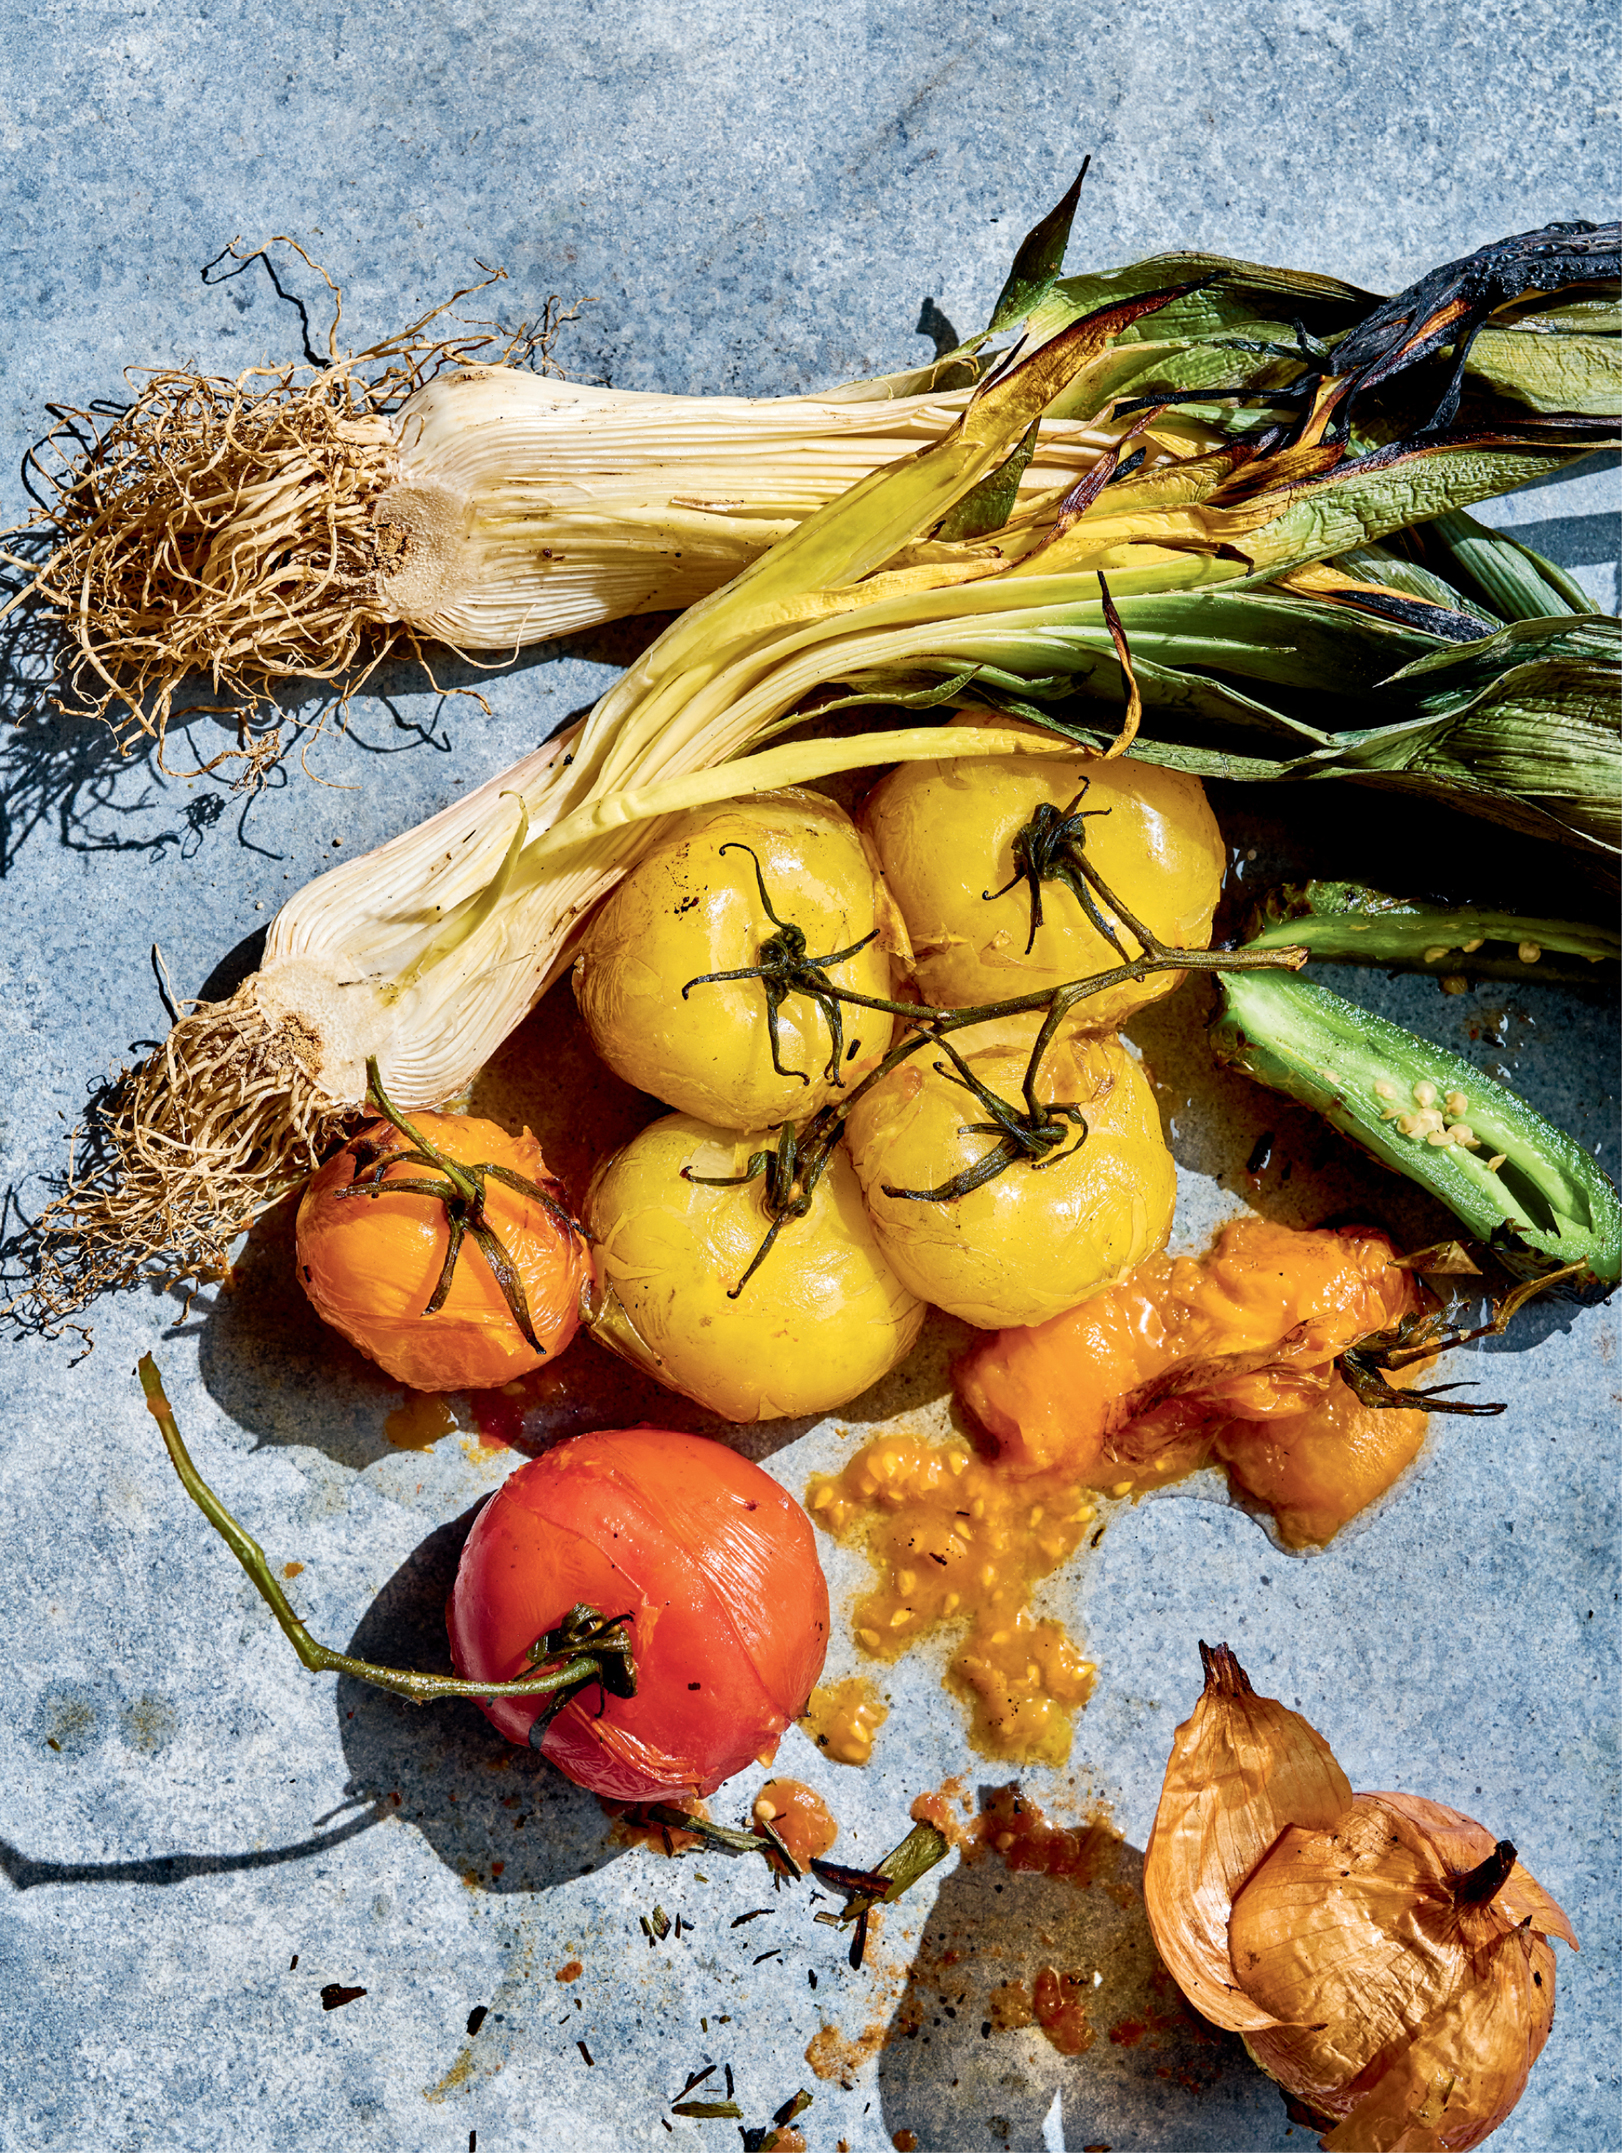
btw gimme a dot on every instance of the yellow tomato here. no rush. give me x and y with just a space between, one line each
944 833
822 1318
694 906
1031 1241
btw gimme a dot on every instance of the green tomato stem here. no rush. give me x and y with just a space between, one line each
802 1156
574 1673
465 1184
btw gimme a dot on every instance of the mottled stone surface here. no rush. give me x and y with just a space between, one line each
760 199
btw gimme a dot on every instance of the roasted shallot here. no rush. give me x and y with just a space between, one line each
1385 1959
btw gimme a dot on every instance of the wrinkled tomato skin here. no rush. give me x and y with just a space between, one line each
1068 1392
823 1317
1317 1469
1030 1243
690 908
713 1562
945 835
370 1264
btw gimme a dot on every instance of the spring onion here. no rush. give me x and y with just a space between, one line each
303 522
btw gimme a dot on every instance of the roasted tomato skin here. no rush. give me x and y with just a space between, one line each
370 1264
944 834
1233 1353
1316 1469
824 1317
1030 1242
692 907
713 1562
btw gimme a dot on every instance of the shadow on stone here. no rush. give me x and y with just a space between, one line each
25 1874
500 1816
282 1374
965 2061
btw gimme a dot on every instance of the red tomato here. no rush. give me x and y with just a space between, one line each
716 1567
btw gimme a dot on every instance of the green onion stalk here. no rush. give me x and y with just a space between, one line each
304 521
589 1650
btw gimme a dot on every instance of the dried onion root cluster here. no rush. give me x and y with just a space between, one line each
180 1154
227 528
1385 1960
302 522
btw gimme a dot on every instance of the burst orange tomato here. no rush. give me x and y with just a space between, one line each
371 1263
712 1562
1234 1354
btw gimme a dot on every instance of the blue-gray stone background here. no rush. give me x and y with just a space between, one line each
759 199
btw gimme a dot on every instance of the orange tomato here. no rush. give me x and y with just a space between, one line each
1315 1470
370 1263
1233 1353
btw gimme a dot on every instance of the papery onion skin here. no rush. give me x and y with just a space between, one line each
715 1565
1031 1241
1353 1936
1242 1767
370 1264
1324 1932
824 1317
1388 1964
1451 2086
1465 1842
689 908
945 831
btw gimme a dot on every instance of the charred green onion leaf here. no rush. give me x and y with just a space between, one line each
1515 582
769 2135
1520 725
900 1869
719 1836
917 1854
